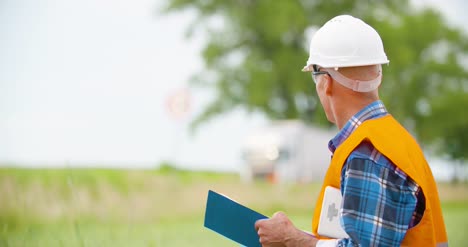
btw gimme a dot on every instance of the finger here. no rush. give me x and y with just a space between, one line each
262 241
259 223
279 214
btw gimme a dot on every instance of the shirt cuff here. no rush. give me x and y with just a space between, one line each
327 243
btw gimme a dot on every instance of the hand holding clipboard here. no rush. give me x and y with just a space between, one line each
232 219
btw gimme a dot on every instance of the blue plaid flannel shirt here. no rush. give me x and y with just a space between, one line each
380 203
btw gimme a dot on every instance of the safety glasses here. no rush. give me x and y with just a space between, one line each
316 71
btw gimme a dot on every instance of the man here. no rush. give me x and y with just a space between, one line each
389 194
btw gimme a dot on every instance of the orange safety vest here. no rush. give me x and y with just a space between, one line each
395 143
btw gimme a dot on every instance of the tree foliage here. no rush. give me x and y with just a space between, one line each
256 49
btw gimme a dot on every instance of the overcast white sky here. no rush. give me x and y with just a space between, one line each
86 82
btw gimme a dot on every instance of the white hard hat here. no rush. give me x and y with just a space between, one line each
345 41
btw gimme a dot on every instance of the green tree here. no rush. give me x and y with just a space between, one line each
256 49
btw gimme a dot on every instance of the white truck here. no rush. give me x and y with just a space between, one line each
287 151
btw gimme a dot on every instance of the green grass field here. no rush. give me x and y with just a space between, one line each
165 207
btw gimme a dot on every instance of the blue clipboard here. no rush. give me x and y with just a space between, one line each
232 219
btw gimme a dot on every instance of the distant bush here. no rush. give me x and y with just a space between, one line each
167 167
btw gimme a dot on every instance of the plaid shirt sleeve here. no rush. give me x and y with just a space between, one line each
379 200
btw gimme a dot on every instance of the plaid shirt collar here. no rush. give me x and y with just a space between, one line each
374 110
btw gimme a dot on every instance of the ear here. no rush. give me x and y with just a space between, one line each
328 85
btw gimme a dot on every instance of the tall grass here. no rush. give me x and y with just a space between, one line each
165 207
